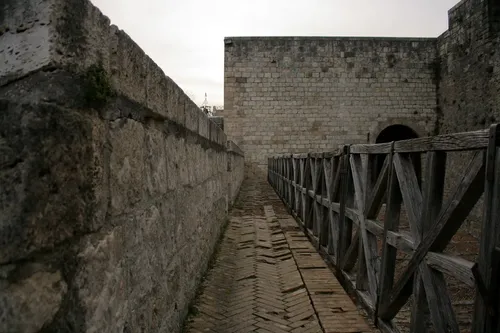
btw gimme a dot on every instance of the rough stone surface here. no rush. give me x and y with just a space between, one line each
218 120
297 94
109 211
469 82
32 301
236 169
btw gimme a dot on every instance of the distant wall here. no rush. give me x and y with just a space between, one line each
297 94
114 186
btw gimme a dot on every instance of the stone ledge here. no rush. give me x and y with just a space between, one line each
74 35
233 148
229 40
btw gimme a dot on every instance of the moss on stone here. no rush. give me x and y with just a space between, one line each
98 87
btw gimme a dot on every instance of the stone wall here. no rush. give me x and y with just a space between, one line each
235 167
114 186
470 68
297 94
218 120
469 81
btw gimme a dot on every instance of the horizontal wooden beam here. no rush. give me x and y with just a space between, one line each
401 241
445 142
330 154
379 148
459 268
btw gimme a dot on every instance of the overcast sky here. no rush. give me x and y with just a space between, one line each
186 37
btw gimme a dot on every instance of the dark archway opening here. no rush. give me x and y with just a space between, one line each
397 133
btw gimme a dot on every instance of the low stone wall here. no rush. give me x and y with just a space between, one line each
114 186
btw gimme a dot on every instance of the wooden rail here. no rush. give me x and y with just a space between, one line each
337 197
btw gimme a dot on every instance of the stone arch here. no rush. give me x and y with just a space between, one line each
379 126
397 132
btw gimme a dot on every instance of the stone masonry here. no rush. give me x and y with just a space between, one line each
298 94
301 94
114 186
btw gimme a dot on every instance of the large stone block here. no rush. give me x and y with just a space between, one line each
127 160
52 176
156 157
100 284
31 302
73 35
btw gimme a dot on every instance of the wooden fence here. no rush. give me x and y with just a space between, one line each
337 197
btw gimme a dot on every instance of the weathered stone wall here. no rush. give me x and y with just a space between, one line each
114 186
469 81
470 68
297 94
236 169
219 121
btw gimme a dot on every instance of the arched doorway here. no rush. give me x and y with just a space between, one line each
396 133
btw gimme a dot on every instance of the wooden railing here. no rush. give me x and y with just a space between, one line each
337 198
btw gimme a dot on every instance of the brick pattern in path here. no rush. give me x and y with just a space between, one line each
269 278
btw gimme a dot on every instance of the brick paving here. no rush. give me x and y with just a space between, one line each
267 277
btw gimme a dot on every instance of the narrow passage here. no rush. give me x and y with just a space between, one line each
269 278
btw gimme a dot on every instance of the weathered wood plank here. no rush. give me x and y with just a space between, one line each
449 221
316 180
330 154
391 223
333 232
306 183
432 201
400 241
374 201
362 278
372 226
459 268
332 172
419 310
379 148
484 320
445 142
412 197
369 241
316 155
336 184
345 227
351 254
438 300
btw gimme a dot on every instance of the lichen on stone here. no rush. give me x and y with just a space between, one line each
98 87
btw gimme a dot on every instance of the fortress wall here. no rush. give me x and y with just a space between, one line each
114 186
300 94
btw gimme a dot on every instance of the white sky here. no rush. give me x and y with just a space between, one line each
185 37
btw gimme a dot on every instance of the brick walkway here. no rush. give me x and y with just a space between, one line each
268 277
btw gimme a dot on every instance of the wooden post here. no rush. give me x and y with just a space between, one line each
486 305
345 227
391 223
